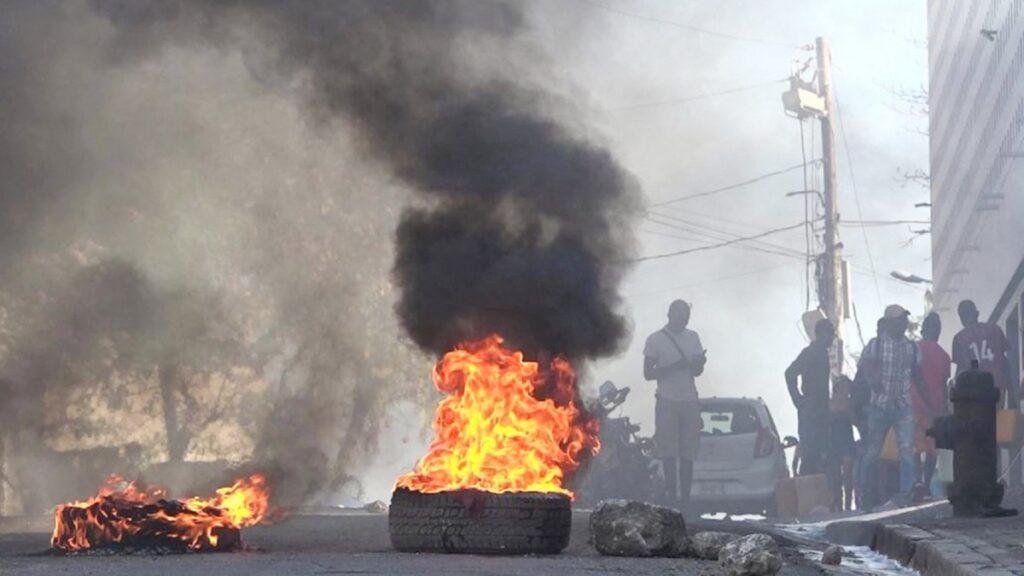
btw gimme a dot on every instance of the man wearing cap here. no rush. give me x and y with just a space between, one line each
986 343
674 357
891 365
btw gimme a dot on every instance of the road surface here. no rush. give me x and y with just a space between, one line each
354 543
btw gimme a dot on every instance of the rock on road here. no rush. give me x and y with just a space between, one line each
341 544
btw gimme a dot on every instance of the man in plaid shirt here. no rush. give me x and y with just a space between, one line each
889 366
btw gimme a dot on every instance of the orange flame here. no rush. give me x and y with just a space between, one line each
125 511
506 425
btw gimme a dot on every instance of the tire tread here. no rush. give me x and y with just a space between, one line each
512 523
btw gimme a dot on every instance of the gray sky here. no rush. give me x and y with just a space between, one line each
747 303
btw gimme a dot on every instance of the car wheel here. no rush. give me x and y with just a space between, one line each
474 522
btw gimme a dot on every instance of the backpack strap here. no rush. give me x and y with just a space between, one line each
676 345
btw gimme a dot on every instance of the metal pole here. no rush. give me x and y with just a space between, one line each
831 294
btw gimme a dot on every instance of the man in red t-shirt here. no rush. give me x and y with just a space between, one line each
986 343
935 371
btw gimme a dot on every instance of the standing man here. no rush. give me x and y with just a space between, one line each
842 449
891 365
674 357
811 398
930 401
986 343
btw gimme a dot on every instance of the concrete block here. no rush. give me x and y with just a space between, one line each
852 532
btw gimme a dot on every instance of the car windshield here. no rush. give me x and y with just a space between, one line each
728 419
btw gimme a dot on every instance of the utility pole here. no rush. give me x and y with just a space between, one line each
805 100
831 293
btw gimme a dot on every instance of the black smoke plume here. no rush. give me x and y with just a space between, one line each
176 271
526 228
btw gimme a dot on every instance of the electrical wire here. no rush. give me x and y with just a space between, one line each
705 233
715 230
715 246
694 97
807 223
697 232
727 188
746 243
688 27
704 215
879 223
856 194
856 320
710 281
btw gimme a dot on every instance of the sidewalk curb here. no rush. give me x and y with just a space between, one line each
932 555
853 532
863 530
932 552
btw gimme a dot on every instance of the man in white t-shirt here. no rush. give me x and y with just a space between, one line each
674 357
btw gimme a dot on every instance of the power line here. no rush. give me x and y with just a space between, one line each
856 319
768 248
740 246
705 232
781 251
688 27
694 97
719 245
710 281
856 195
807 223
713 217
876 223
729 187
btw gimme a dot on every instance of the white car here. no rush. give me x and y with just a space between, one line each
740 458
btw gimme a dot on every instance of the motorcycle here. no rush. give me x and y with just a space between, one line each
625 467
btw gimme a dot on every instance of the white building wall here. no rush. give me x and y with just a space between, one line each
976 93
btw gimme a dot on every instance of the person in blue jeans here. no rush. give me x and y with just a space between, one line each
889 366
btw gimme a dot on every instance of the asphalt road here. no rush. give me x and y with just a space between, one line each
339 544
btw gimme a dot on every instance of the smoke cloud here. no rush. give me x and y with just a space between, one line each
197 259
527 231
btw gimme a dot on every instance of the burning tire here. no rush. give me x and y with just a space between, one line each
474 522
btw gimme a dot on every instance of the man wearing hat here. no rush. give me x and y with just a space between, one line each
890 365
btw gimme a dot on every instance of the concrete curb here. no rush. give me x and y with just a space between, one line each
936 551
932 555
862 530
852 532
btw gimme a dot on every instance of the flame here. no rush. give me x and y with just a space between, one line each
125 511
506 426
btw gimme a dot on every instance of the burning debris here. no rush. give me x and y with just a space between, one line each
508 436
507 425
129 516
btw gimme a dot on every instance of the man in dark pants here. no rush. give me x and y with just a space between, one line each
811 398
674 357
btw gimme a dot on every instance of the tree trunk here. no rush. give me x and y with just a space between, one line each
177 438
